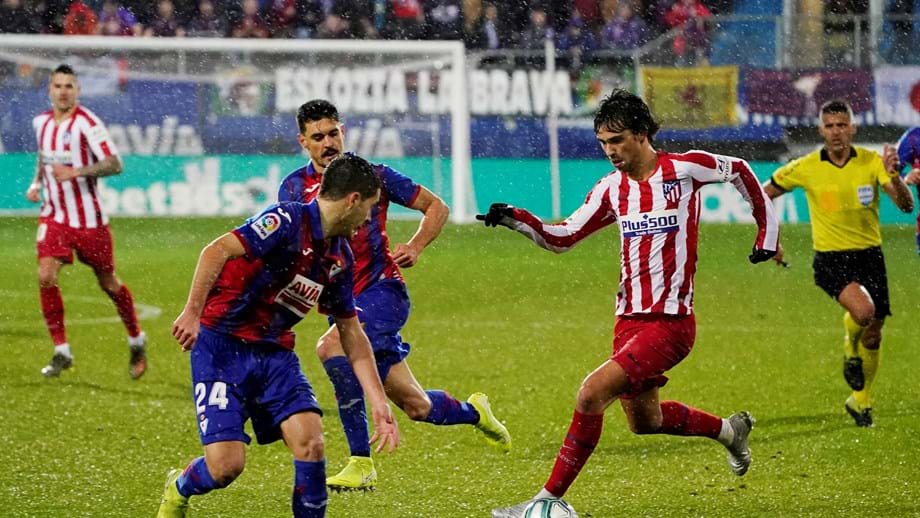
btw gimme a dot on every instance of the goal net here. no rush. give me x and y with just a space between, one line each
207 126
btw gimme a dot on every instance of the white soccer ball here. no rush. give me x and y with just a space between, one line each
549 508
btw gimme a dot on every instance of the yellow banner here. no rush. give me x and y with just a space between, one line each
693 98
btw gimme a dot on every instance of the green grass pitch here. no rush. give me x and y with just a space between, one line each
492 313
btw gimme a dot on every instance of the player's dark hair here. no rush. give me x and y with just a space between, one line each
315 110
348 173
623 110
837 106
64 68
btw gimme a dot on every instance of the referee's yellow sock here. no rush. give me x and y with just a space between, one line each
870 367
853 333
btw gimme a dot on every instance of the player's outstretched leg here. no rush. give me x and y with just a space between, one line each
172 503
137 361
359 475
739 454
494 431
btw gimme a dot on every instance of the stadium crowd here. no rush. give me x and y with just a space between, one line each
587 25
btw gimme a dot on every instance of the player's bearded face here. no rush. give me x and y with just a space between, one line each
837 130
63 91
324 140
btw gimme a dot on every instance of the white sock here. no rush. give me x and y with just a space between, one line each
544 494
64 349
727 434
140 339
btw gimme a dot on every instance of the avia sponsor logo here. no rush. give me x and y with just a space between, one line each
300 295
167 138
649 223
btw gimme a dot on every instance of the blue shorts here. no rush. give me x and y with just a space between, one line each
383 310
234 381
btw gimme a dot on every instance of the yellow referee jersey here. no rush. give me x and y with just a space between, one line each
843 201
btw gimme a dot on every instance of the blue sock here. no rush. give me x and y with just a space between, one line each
446 410
309 497
196 479
350 398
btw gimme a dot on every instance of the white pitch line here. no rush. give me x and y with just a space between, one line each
144 311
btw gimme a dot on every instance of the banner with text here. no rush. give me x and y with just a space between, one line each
242 185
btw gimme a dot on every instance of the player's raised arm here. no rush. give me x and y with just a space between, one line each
594 214
358 350
210 263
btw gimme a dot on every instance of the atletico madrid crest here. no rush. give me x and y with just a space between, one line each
671 190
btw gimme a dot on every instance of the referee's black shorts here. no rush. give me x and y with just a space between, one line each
835 270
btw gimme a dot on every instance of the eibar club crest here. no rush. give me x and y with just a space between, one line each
671 190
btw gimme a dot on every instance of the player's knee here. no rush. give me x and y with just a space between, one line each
225 470
309 448
328 347
872 338
417 408
47 278
590 398
109 283
863 315
643 427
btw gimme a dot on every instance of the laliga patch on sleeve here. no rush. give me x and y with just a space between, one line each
724 168
266 225
97 134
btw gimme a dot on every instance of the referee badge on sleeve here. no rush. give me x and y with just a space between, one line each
866 194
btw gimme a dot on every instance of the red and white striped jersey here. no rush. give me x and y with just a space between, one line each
659 226
77 141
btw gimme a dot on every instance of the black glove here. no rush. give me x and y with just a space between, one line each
759 255
497 211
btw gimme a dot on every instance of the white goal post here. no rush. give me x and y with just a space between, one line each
184 59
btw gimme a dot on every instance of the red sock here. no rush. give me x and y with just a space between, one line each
125 305
53 310
579 444
680 419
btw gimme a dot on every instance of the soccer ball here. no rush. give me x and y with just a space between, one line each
549 508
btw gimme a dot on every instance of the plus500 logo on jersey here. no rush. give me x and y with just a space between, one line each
649 223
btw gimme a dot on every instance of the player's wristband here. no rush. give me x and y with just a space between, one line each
35 185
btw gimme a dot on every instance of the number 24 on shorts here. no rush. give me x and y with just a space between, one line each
217 397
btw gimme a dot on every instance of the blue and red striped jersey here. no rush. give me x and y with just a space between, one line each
371 245
909 150
288 269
